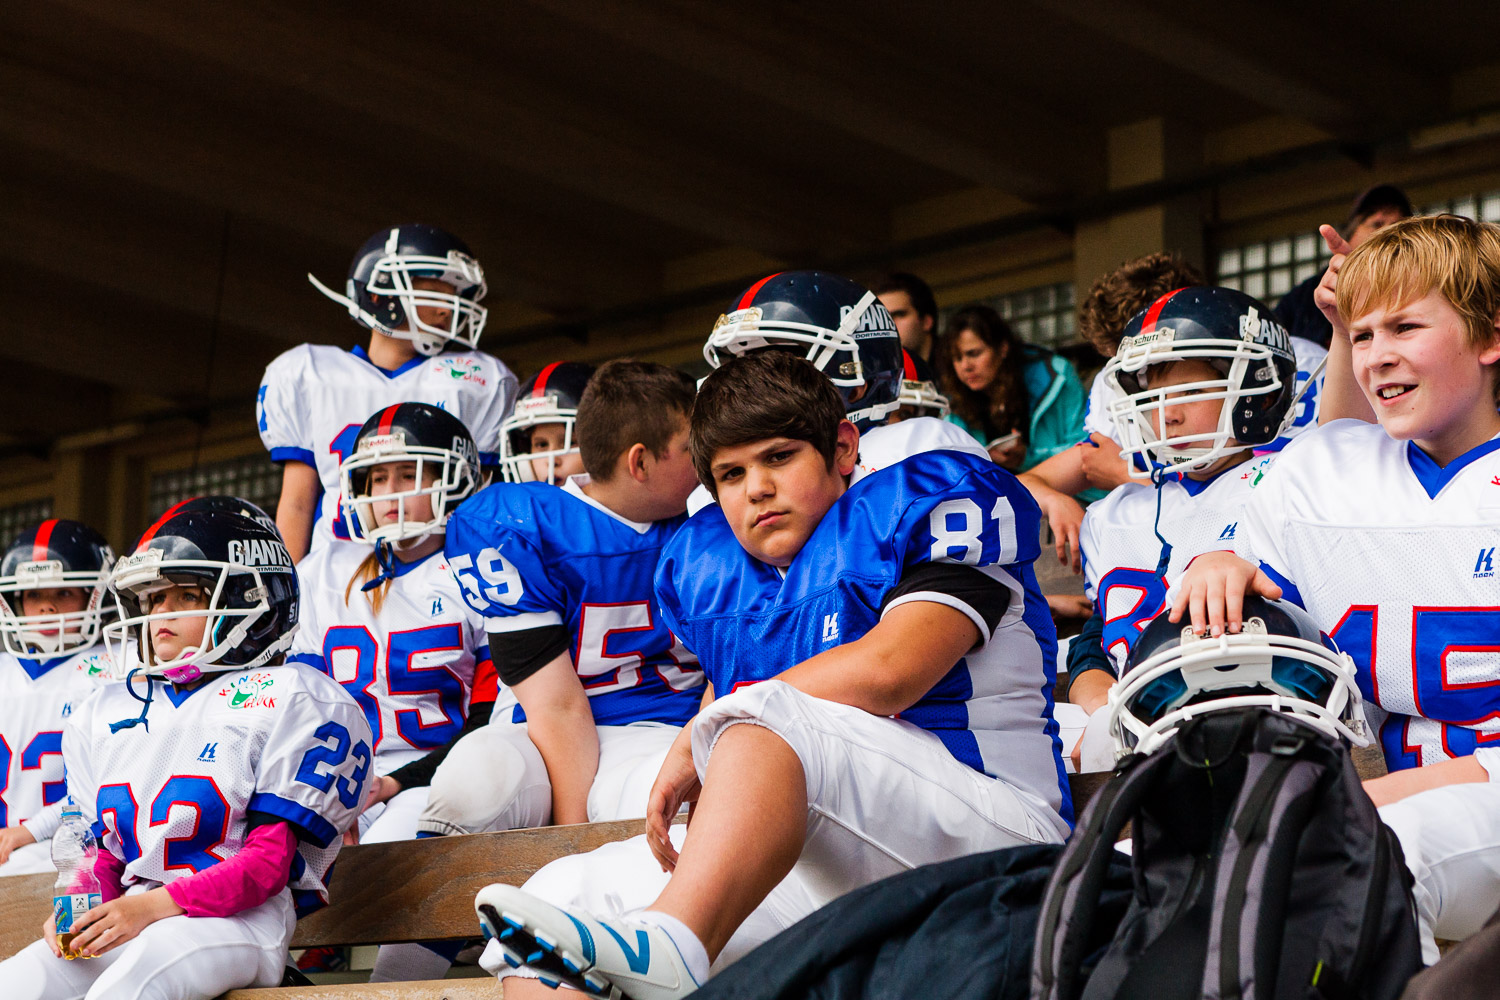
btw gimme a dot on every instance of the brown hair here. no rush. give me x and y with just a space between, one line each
761 395
628 403
1002 406
368 569
1125 291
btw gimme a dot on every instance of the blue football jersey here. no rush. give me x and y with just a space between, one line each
529 555
748 623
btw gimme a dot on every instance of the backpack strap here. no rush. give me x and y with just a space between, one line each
1278 784
1073 891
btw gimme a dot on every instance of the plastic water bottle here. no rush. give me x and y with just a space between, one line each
76 890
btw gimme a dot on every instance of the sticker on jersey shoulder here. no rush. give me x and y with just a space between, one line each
250 691
461 370
93 666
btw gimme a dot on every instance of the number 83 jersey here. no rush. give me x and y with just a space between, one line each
531 555
414 668
175 795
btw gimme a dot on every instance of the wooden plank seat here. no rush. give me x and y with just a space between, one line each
403 891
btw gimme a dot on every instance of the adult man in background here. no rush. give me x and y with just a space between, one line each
1376 208
911 304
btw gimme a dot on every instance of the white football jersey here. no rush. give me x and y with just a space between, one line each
1395 558
170 797
314 399
884 446
1121 551
415 668
36 699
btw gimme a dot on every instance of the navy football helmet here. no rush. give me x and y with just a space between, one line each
379 292
50 555
228 505
919 389
1244 343
244 569
837 324
550 396
1278 660
442 450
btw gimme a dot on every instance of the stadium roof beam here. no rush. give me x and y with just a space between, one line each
892 116
429 96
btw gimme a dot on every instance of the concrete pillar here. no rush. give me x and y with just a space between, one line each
1143 153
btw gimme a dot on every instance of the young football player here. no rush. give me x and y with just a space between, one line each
1387 533
847 334
563 578
416 289
53 581
537 442
386 619
888 651
218 778
919 392
1201 378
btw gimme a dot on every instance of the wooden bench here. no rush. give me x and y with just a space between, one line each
404 891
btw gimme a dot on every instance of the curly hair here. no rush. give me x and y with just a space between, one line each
1003 405
1127 290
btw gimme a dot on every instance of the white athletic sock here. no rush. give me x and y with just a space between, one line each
408 963
688 946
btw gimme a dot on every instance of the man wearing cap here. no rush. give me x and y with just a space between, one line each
1374 209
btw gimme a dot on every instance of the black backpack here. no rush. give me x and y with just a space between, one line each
1261 870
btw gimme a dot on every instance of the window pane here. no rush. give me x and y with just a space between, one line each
1255 257
1229 262
1489 208
1255 285
1466 207
1281 252
1307 246
1281 281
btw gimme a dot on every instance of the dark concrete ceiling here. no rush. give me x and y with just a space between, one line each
170 169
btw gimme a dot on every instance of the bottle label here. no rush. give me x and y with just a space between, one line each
67 909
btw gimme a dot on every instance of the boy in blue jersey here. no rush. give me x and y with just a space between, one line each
889 653
563 577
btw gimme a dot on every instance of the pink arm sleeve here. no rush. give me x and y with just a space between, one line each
109 870
258 872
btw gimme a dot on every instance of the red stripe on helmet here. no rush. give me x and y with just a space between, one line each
151 531
387 418
538 390
749 295
43 539
909 366
1149 323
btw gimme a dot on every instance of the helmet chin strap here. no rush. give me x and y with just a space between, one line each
140 720
385 557
1158 476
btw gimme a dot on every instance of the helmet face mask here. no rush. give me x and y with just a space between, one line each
1174 675
924 398
551 396
837 325
250 615
517 459
382 291
446 472
1255 386
54 555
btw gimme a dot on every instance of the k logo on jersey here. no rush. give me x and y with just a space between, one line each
831 627
1484 566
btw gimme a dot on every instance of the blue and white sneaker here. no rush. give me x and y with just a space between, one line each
613 957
